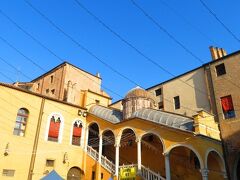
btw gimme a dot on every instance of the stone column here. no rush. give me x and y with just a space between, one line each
139 153
100 149
204 173
83 137
117 160
167 166
86 137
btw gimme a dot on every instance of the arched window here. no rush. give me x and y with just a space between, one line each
77 133
21 122
54 128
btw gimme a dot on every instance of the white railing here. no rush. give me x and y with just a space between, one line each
128 165
106 163
109 165
148 174
92 152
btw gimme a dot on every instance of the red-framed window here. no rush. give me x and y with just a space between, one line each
227 107
54 128
77 133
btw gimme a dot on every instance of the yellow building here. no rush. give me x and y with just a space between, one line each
91 141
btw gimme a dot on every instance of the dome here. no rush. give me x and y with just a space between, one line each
136 99
139 92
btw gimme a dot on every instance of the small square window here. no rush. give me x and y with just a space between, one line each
8 172
47 91
50 163
220 69
176 102
97 101
160 105
158 92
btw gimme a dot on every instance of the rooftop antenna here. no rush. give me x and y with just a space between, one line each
18 70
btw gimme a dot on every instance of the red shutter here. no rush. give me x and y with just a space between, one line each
77 131
54 129
227 104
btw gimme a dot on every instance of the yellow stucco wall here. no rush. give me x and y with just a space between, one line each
20 148
206 125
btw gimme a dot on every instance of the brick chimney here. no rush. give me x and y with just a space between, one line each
217 52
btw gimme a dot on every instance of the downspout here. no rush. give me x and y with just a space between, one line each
35 145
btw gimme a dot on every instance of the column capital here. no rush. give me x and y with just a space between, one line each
117 145
166 154
100 136
138 140
204 172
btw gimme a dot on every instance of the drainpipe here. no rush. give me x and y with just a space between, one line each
35 145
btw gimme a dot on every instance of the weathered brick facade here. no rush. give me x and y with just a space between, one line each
222 86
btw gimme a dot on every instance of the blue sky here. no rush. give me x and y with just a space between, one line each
190 23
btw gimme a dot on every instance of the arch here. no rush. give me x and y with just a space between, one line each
222 163
72 132
154 133
60 135
168 150
118 139
21 122
108 130
93 122
152 148
93 135
128 146
108 144
74 173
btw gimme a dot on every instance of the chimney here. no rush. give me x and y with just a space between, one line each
217 53
98 75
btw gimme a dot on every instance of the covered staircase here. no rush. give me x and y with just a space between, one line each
146 173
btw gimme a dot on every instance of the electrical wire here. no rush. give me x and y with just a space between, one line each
220 21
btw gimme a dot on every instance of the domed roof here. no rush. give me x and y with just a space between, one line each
139 92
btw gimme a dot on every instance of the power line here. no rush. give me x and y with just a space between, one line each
164 98
219 20
46 48
161 28
34 63
180 16
13 67
80 45
166 32
134 47
58 28
49 50
60 59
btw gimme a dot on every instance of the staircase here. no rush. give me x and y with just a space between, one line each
106 163
146 173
